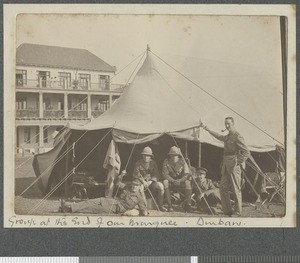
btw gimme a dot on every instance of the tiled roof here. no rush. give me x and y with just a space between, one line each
60 57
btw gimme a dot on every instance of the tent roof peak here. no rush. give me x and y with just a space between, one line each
148 48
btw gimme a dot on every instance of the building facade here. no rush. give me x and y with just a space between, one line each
54 86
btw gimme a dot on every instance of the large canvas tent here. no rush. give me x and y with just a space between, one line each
150 112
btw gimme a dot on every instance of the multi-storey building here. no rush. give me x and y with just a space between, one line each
56 85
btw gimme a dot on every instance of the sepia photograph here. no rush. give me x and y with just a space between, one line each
143 119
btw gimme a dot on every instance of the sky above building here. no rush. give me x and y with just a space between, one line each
235 58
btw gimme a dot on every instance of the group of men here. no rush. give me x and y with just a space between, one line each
174 172
177 174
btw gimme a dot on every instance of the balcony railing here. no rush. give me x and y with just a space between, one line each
97 113
77 114
74 85
30 113
49 84
53 114
99 86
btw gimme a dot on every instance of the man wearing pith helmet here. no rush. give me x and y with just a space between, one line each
146 171
175 172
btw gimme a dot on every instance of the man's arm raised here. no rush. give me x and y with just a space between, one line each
215 134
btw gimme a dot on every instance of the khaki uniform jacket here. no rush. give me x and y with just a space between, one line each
129 200
235 150
175 171
142 170
206 186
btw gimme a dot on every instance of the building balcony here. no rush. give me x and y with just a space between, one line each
56 114
42 84
77 114
63 85
97 113
27 113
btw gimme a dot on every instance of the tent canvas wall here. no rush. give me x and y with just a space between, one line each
150 112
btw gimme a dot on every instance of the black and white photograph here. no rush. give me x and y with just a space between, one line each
135 117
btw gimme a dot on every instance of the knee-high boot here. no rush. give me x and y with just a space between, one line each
188 198
160 201
168 198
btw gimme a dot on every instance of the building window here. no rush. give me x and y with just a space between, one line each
64 79
43 77
27 134
84 81
21 77
104 82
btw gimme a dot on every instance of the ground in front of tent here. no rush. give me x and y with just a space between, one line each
32 197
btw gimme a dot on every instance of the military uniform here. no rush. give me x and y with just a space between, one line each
235 154
212 194
177 174
175 171
127 200
148 172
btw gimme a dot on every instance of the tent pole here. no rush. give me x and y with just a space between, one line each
186 149
199 161
200 148
66 172
283 24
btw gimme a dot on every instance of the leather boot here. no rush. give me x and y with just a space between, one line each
160 200
188 198
168 198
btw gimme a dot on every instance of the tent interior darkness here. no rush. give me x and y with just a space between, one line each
92 164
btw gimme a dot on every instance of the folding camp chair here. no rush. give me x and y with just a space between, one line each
277 188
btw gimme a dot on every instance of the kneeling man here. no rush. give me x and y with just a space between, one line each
204 188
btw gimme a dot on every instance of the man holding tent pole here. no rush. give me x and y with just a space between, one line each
234 157
205 189
146 171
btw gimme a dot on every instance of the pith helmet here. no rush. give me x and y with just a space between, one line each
174 151
147 151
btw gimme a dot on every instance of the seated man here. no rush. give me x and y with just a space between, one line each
130 197
204 188
146 171
175 172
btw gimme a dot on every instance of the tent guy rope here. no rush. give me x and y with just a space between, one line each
212 96
68 175
62 116
194 179
52 164
122 177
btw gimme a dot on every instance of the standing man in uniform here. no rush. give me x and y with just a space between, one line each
235 155
146 171
175 172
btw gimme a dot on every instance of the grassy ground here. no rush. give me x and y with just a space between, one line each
30 201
